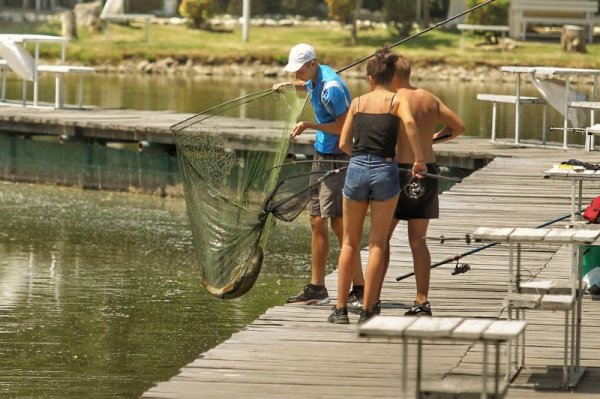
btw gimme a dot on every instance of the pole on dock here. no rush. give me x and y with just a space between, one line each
246 21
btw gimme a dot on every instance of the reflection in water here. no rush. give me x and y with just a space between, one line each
100 292
195 94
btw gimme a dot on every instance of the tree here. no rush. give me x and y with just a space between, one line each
495 13
345 12
198 11
400 18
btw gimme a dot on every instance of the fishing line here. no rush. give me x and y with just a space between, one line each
266 92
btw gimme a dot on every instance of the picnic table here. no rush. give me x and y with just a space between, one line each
563 105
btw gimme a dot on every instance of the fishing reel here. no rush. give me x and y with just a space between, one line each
461 268
414 189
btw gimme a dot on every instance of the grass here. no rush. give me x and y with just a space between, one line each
270 45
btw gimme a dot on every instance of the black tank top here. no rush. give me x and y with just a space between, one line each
376 133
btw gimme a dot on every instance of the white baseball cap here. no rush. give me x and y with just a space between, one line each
300 54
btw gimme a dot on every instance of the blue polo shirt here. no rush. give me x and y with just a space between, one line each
330 98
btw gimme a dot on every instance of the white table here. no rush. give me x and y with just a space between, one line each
576 176
36 40
487 331
551 72
569 300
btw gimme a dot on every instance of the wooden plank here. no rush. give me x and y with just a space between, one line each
289 338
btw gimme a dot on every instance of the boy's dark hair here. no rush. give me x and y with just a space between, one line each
402 67
381 68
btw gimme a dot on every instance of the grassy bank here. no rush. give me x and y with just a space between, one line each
269 45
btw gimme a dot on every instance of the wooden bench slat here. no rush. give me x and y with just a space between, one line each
510 99
497 234
505 329
528 234
385 326
557 302
471 329
522 301
585 104
432 327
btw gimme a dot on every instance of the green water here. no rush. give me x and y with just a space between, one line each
100 296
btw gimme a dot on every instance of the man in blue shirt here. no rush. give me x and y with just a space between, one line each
330 99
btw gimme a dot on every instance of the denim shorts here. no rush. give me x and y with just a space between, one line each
371 177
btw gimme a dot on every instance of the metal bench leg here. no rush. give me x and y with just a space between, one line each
57 91
24 93
588 138
494 113
404 368
81 90
565 353
497 370
484 372
3 92
419 365
544 125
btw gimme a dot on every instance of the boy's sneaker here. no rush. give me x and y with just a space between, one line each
419 309
356 296
311 295
338 316
365 315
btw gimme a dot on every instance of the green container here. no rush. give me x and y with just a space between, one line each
591 257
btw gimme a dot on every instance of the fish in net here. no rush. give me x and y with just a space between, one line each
234 172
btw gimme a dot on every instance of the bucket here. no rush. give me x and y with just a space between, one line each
591 257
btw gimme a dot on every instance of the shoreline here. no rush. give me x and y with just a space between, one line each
422 71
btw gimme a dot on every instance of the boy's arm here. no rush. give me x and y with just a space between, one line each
454 125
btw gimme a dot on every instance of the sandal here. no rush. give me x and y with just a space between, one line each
419 309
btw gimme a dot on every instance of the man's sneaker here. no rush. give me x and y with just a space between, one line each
377 308
338 316
311 295
356 296
365 315
419 309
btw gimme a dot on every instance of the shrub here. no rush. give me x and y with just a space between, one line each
495 13
198 11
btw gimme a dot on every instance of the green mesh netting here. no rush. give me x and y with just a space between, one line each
231 164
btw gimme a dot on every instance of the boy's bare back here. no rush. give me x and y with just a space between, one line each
428 112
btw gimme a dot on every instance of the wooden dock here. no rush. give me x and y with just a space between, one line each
292 352
127 125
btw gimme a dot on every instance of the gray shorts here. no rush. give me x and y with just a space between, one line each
326 197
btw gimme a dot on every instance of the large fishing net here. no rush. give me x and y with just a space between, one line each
237 177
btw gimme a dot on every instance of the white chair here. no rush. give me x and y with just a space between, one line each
20 62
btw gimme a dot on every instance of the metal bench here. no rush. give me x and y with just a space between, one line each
59 71
551 12
547 295
487 331
502 29
517 101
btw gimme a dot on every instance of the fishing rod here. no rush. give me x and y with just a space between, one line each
418 34
192 120
458 269
433 175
